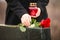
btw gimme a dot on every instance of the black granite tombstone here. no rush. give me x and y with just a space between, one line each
14 33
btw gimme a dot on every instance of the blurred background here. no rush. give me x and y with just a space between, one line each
53 9
3 6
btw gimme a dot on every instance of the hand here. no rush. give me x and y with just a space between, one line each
26 18
37 14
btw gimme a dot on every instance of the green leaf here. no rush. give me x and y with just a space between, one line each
37 24
33 21
23 29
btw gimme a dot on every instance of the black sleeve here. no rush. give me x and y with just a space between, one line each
44 2
42 5
17 8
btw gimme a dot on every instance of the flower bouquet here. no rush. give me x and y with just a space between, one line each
45 23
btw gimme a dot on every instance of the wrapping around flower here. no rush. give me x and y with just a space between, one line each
45 23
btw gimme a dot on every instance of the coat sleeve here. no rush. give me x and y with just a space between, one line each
17 8
43 2
42 5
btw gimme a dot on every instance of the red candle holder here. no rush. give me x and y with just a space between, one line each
33 11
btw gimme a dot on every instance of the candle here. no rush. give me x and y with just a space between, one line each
33 9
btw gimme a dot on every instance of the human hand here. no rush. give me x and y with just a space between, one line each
37 14
25 19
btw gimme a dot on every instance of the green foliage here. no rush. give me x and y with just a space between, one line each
22 28
34 24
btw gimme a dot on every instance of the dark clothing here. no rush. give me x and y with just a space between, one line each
16 8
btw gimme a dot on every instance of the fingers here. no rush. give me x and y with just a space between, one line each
26 19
